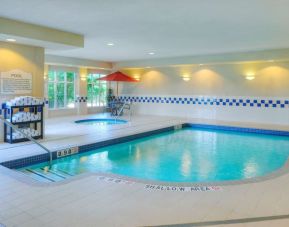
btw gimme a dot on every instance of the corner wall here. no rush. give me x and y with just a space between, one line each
215 92
26 58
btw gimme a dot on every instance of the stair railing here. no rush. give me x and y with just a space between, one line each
28 137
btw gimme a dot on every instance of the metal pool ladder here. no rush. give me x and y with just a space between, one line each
28 137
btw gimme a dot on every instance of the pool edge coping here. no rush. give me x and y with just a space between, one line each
100 119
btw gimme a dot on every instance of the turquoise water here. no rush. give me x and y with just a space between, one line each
101 121
187 155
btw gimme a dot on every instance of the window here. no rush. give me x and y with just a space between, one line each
96 90
61 89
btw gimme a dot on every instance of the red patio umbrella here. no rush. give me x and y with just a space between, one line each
118 77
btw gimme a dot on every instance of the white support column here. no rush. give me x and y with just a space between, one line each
81 92
45 94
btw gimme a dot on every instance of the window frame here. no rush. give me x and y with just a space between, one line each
65 82
93 81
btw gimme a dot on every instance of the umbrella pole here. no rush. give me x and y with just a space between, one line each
117 89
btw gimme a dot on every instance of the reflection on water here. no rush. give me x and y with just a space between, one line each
250 170
186 163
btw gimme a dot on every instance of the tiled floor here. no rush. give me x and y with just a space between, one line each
90 201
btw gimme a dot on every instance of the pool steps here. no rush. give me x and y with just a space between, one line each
46 175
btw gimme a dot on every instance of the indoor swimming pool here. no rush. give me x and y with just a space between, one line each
189 154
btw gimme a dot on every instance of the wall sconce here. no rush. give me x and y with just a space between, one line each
82 76
186 78
136 77
250 76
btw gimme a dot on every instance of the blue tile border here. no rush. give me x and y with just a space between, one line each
22 162
97 145
81 99
269 102
211 101
238 129
36 159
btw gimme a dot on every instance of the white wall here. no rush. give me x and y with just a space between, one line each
217 81
93 110
62 112
25 58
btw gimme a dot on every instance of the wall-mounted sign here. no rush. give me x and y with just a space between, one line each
16 82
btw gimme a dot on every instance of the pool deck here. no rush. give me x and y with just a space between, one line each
89 200
63 132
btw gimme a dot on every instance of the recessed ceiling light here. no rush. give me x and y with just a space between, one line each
110 44
11 40
151 53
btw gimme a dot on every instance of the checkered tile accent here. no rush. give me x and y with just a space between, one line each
212 101
45 100
81 99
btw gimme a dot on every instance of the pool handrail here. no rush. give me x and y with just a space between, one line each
122 108
28 137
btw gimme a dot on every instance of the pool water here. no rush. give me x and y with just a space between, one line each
101 121
186 155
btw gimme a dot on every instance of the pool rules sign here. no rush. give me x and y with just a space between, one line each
16 82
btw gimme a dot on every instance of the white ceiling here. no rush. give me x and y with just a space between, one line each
170 28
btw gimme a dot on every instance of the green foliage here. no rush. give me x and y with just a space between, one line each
96 90
61 89
109 95
60 95
51 94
